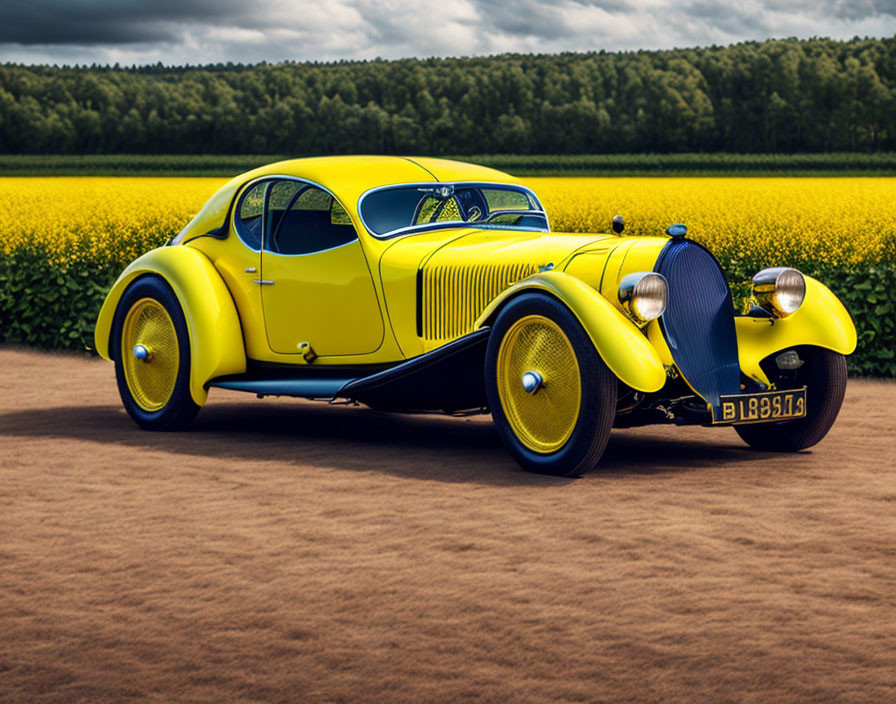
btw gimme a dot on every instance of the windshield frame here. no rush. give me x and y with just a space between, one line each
453 224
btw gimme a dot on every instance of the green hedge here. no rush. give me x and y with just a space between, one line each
55 306
866 293
48 305
721 164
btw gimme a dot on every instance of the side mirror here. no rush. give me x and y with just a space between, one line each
618 224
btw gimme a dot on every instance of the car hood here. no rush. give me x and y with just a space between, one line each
533 250
421 274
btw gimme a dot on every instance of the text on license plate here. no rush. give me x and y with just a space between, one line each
763 407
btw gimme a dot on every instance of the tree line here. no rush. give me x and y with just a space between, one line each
778 96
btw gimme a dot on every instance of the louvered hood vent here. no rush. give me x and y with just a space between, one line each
453 297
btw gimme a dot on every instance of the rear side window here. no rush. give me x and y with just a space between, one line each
280 198
250 215
304 219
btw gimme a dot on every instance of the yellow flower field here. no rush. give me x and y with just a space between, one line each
834 221
770 220
102 220
64 240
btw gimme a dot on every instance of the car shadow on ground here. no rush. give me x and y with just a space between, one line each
432 447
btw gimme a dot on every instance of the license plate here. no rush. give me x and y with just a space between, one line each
763 407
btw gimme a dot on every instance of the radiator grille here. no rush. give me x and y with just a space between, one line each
454 296
699 321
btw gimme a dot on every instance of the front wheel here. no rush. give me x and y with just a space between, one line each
823 373
551 396
152 356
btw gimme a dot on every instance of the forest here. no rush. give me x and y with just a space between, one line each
774 97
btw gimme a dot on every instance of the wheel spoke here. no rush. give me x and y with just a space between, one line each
150 354
544 420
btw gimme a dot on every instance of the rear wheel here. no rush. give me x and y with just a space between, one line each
552 397
152 356
823 373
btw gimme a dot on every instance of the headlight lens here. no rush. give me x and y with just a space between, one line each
779 290
644 295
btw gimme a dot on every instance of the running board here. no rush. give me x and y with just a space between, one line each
449 377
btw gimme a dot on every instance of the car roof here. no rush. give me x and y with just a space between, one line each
348 177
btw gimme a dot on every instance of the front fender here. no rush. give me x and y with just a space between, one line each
216 337
821 321
624 349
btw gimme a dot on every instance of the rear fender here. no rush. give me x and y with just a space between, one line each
821 321
216 337
624 348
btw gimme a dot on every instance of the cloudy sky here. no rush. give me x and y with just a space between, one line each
209 31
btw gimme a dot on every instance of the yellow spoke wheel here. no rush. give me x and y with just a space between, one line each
539 383
150 354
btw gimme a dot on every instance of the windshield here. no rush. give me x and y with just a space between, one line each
388 211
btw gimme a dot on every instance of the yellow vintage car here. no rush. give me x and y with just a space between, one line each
420 284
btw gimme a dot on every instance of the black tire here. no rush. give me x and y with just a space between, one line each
824 375
584 447
180 409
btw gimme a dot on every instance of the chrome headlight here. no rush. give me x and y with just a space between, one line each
644 295
779 290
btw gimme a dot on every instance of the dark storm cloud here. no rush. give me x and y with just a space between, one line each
746 15
89 22
201 31
848 9
737 19
522 18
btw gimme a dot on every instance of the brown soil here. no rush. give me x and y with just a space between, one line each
290 551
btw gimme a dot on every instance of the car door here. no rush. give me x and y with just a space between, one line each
316 285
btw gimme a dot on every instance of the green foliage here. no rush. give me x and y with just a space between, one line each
132 164
868 296
691 164
779 96
55 306
49 305
866 292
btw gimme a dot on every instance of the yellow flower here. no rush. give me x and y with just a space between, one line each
774 221
98 221
107 222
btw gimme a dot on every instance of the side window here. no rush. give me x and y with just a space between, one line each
280 198
305 219
250 215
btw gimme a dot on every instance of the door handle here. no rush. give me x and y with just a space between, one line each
263 282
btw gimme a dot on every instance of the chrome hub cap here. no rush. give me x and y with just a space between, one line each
141 353
532 382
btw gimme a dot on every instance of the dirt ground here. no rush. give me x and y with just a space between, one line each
289 551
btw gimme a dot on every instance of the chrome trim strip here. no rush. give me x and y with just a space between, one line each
303 388
455 223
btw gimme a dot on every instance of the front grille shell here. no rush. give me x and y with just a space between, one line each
698 323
